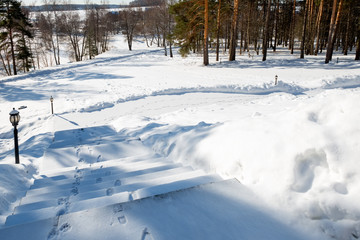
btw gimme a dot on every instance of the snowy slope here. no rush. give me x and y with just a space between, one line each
294 145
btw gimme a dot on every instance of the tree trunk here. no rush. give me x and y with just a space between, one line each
4 65
206 29
164 43
248 25
318 21
130 43
332 32
170 49
346 47
276 23
302 48
292 40
310 40
233 31
241 38
218 31
12 51
357 56
266 31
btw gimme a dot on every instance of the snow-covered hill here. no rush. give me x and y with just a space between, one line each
293 146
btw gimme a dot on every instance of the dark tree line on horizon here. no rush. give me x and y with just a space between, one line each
235 27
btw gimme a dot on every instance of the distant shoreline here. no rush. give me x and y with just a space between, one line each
68 7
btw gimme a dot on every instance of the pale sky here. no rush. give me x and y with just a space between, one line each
41 2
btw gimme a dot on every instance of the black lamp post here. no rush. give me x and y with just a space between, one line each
14 119
52 106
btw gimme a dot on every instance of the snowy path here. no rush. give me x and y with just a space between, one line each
149 108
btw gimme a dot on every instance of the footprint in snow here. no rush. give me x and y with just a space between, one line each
65 227
118 208
122 220
117 183
53 234
77 181
109 191
146 235
62 201
118 215
77 152
74 191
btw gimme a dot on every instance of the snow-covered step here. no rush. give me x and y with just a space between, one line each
115 195
59 192
132 184
120 180
86 169
173 186
85 152
101 164
146 191
90 173
97 180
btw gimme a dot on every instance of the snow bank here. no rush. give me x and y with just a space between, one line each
15 180
303 160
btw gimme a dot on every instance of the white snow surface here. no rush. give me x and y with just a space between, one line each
293 146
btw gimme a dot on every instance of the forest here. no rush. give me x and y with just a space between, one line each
32 40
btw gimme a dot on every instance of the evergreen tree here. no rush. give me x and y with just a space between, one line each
188 26
195 25
14 26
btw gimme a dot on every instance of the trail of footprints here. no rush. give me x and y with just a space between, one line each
119 216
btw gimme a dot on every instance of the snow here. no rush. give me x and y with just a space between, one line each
293 146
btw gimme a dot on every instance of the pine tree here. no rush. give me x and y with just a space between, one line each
332 31
189 18
206 33
15 30
234 31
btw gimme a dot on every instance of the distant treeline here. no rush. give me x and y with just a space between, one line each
145 3
67 7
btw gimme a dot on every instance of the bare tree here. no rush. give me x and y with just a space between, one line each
130 20
71 26
47 24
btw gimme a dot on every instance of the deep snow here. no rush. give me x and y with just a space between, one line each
294 145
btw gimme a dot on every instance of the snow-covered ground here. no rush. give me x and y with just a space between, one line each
295 145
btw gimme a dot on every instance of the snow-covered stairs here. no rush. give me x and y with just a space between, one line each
75 189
